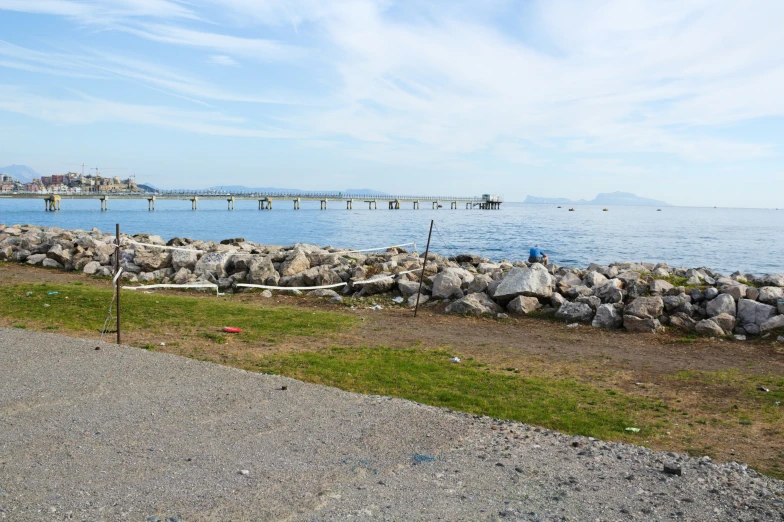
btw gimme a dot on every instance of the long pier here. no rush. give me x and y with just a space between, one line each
265 199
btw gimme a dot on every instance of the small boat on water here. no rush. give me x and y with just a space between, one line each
605 209
559 206
571 210
658 210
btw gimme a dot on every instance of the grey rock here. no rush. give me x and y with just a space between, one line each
408 288
753 312
710 293
474 304
474 259
261 271
184 259
696 295
771 294
645 308
607 316
182 276
479 284
773 280
722 304
709 327
737 291
752 293
35 259
378 284
590 300
151 261
266 293
726 322
673 302
91 268
523 305
640 325
609 292
51 263
774 323
682 321
323 292
412 299
556 300
295 264
214 263
659 286
571 312
752 329
533 282
59 254
446 285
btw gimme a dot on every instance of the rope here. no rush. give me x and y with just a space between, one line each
109 317
371 249
438 231
194 285
266 287
130 241
392 276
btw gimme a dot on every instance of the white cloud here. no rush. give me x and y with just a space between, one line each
218 59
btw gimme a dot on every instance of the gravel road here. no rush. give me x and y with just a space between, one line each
126 434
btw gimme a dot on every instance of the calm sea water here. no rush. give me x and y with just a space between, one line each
749 240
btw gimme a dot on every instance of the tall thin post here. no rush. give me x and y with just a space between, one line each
424 264
117 271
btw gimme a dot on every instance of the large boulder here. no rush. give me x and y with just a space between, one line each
378 284
59 254
645 308
771 294
607 316
610 291
773 280
214 263
752 312
673 302
535 281
709 327
91 268
641 325
522 305
184 259
261 271
774 323
51 263
726 322
446 285
36 259
474 304
660 286
737 291
571 312
295 264
151 261
408 288
722 304
594 278
321 276
480 284
683 321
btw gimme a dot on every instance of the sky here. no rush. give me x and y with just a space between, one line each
675 100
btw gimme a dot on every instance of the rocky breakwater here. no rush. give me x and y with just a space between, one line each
638 297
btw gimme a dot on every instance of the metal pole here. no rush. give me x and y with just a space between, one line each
424 263
117 288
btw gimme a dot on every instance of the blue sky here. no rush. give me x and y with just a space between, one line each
679 101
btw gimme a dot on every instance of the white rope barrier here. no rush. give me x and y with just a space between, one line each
193 285
372 249
267 287
392 276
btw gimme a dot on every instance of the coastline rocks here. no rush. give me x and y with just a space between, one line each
639 325
523 305
408 288
447 285
295 264
771 294
772 280
261 271
659 286
645 308
212 263
610 291
752 312
571 312
378 284
594 278
535 281
721 304
726 322
774 323
474 304
91 268
607 316
709 327
184 259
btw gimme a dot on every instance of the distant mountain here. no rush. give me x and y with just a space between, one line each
605 198
21 172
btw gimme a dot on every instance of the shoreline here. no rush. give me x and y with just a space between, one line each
638 297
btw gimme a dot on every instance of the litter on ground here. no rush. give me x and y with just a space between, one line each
634 430
455 359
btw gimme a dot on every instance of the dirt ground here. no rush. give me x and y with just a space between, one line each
638 364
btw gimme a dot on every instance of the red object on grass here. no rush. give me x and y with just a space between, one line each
231 329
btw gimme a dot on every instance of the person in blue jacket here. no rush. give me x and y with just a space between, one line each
537 256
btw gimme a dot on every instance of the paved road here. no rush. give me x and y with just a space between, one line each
125 434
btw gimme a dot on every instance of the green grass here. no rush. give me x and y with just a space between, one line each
430 378
83 308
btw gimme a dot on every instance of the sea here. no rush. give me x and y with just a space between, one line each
725 239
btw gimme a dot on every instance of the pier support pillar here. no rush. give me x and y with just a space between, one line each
194 203
296 204
230 203
453 205
52 203
151 203
323 204
104 203
349 204
435 205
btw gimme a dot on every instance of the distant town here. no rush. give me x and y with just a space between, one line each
70 183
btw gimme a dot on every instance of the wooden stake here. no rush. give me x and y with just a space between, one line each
424 263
